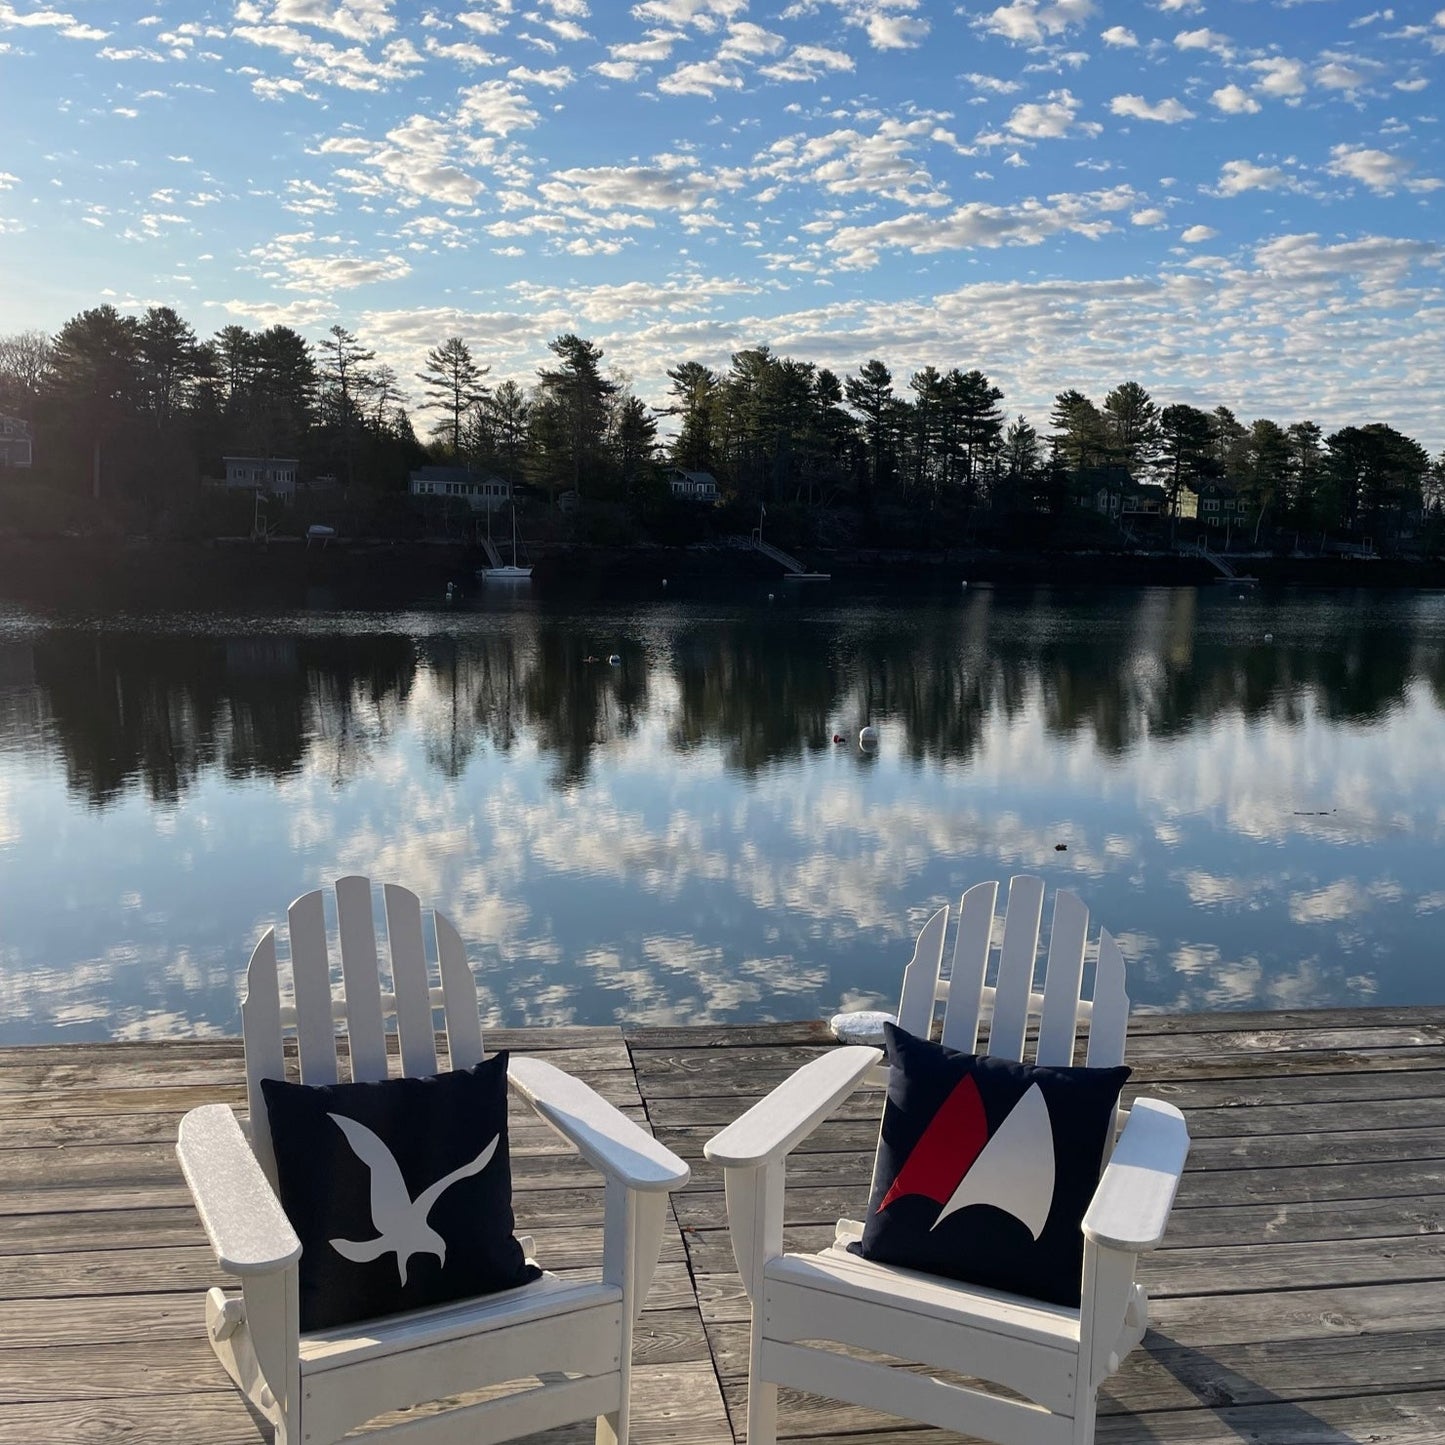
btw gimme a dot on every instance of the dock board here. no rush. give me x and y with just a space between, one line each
1299 1299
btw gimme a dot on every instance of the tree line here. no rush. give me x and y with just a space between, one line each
137 409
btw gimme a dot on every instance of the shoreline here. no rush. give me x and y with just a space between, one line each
381 573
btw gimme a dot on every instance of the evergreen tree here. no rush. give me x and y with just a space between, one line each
574 397
344 382
870 394
695 388
453 383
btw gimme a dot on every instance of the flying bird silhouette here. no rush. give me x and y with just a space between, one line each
400 1218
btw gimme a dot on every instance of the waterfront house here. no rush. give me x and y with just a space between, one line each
1136 499
1220 505
692 486
271 476
15 448
482 493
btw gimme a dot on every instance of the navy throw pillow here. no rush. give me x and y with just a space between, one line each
986 1167
400 1191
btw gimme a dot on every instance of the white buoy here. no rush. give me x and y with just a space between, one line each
964 583
1269 637
770 596
868 739
664 581
615 659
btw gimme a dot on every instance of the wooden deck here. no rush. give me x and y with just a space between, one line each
1300 1298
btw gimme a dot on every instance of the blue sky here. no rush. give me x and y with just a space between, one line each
1233 203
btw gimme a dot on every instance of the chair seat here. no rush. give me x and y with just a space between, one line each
837 1272
548 1298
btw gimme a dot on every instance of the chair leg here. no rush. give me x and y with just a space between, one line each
612 1429
762 1396
762 1413
1086 1408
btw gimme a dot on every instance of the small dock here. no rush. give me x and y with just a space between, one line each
1299 1299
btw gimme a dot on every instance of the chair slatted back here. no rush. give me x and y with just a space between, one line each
355 1016
994 1017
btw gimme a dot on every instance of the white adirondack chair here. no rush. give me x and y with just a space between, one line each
1054 1357
576 1338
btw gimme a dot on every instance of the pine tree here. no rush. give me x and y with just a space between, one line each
454 387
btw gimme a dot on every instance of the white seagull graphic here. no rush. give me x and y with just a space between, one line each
400 1218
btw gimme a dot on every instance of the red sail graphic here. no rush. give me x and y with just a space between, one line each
953 1139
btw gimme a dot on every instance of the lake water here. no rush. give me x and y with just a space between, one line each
676 838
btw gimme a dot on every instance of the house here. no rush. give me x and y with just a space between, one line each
482 494
1220 505
1137 499
15 448
273 476
692 486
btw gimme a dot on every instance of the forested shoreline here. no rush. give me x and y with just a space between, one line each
130 415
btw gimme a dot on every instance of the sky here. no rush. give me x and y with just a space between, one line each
1233 202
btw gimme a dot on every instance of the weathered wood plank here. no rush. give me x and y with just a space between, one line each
1357 1136
671 1075
1410 1418
173 1366
1301 1288
1161 1376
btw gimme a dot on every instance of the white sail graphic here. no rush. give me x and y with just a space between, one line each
400 1219
1015 1169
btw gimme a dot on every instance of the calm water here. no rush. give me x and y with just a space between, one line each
677 838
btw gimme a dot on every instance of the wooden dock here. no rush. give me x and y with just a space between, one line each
1300 1298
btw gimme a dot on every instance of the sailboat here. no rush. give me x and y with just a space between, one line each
511 572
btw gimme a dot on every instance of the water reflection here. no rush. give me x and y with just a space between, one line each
678 835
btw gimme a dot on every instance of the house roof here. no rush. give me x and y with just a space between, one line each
692 476
452 474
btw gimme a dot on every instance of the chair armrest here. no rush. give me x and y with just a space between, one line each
604 1136
775 1126
247 1227
1131 1205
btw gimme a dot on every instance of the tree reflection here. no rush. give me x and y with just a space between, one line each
156 711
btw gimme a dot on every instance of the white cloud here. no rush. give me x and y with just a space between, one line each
807 62
1234 101
557 79
888 24
704 15
1236 177
1169 112
497 108
745 40
58 20
1193 235
1280 77
1048 119
1030 22
977 225
1380 171
702 77
1152 216
1119 35
1210 40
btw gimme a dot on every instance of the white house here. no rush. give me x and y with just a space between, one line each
482 494
692 486
275 476
14 442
